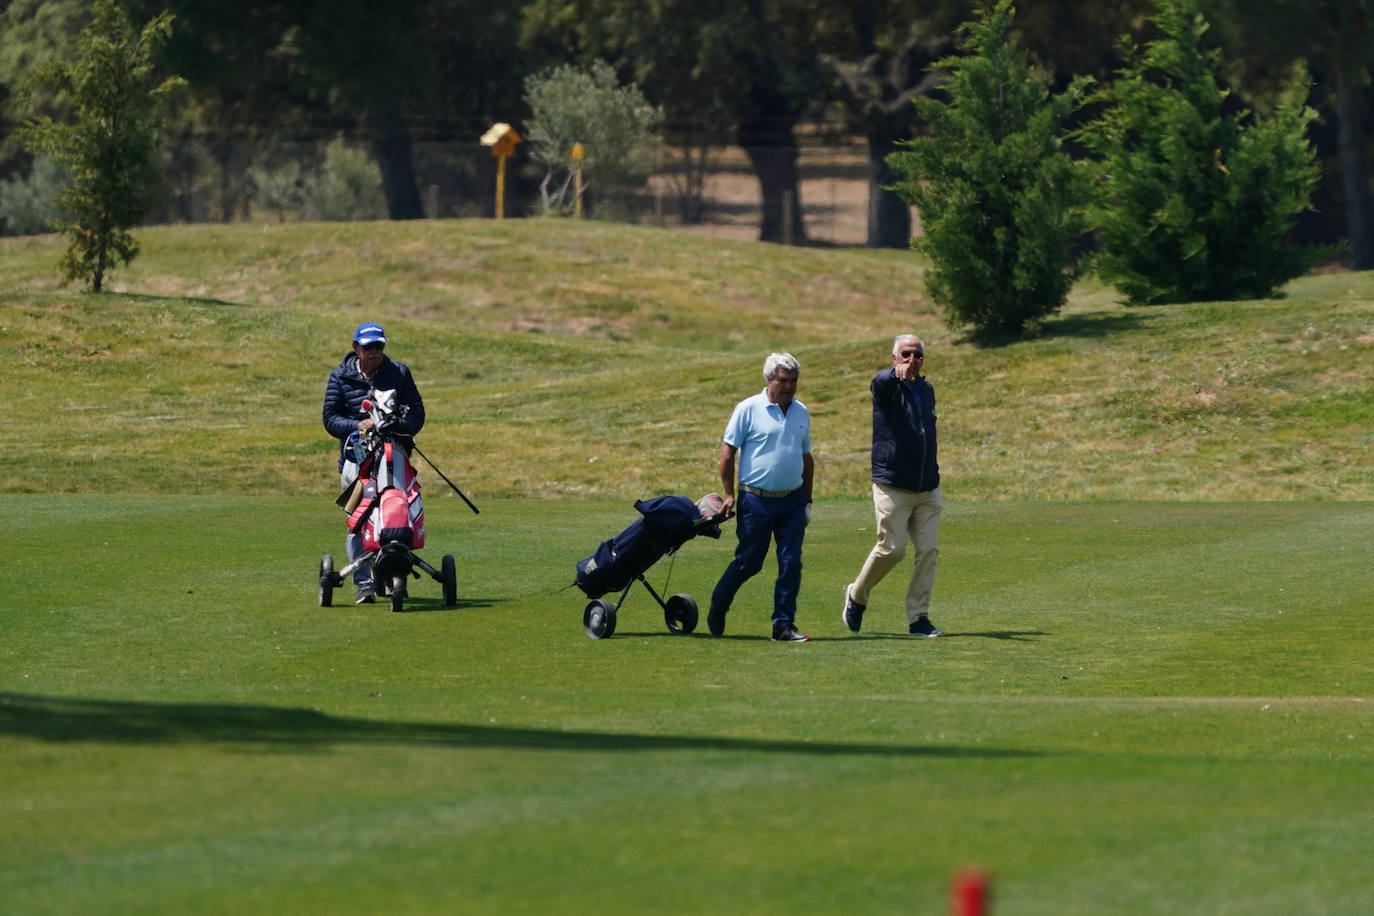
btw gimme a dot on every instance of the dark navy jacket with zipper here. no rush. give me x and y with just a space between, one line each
343 397
904 433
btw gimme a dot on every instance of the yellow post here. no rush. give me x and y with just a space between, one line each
501 137
501 187
576 154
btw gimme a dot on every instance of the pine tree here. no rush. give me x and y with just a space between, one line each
109 143
1196 200
1001 204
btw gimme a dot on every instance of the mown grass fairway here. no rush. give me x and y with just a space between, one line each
1140 708
1154 697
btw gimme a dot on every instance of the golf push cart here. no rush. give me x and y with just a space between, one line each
664 525
383 506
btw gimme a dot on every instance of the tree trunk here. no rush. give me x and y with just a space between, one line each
889 217
772 150
1359 209
395 155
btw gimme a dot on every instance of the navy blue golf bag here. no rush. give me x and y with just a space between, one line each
665 523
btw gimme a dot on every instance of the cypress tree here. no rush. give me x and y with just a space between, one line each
1000 202
1195 198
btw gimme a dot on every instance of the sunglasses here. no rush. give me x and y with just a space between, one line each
373 346
916 354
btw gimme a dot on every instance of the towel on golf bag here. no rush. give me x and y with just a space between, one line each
665 523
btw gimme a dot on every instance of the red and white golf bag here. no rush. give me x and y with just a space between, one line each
390 510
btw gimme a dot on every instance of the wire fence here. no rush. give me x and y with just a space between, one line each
714 192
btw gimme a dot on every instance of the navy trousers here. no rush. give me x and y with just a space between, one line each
759 520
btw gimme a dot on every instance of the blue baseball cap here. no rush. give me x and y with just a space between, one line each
369 332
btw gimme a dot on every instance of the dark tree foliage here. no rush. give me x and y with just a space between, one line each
1001 204
306 69
722 70
31 33
1196 201
881 54
1264 37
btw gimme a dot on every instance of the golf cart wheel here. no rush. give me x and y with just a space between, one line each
449 577
398 594
326 580
680 614
599 619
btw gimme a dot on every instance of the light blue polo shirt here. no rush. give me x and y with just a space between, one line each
770 443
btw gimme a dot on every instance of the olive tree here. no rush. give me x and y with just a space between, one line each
611 125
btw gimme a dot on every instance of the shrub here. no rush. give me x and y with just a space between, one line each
28 205
346 187
343 185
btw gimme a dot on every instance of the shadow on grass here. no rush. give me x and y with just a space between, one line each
1096 324
1013 635
1093 324
416 605
147 298
61 719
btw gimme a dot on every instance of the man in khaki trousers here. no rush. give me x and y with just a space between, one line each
906 487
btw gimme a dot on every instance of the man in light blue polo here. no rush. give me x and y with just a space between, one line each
770 433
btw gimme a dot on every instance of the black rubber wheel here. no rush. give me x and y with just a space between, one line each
398 594
599 619
326 581
680 614
449 577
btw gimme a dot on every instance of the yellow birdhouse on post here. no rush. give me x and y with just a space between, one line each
501 137
577 154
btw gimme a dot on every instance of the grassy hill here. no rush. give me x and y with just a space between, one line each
582 358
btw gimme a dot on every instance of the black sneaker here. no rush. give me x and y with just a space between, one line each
367 593
715 622
923 627
853 613
789 633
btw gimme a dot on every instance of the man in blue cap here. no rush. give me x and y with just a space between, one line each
365 368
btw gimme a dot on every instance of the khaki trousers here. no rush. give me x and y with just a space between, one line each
903 515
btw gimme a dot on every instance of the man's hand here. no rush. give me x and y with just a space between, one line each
364 424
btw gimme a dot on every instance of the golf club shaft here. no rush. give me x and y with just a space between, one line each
475 510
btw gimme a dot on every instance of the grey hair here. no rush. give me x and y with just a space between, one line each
776 361
897 343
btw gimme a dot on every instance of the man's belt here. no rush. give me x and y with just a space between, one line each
771 494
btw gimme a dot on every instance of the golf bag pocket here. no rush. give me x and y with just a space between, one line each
598 573
362 509
393 521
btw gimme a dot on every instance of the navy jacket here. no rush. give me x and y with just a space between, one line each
904 433
343 397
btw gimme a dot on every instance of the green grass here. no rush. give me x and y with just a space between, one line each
1153 699
1140 708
